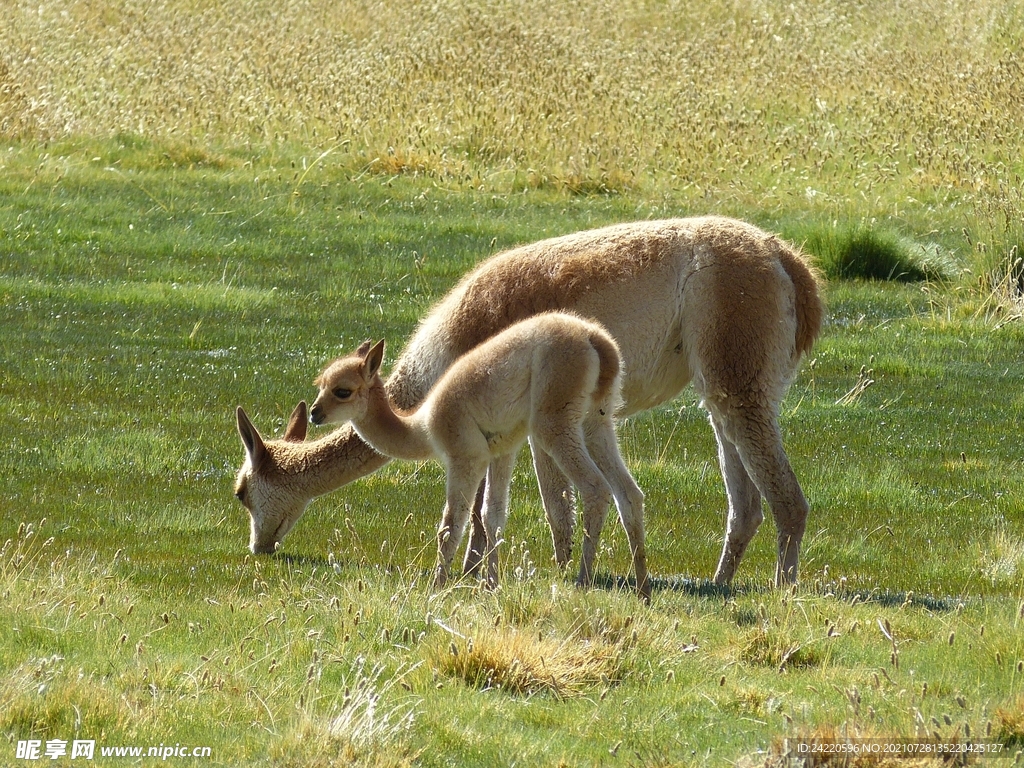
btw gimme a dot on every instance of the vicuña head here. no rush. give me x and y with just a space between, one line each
262 485
345 385
351 390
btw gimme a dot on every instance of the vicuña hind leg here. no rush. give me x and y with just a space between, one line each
566 446
754 431
462 484
744 515
556 494
477 536
629 499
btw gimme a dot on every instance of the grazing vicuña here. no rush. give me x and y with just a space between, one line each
710 300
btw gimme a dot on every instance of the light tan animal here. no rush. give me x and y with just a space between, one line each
553 378
710 300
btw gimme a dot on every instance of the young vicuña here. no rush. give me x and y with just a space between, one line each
553 378
710 300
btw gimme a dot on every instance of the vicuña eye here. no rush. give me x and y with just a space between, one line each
342 394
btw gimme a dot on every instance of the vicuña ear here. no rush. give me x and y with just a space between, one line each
251 440
364 348
372 360
295 432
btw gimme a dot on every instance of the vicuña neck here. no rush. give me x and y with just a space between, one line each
400 436
329 463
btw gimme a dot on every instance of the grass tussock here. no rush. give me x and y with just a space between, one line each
365 716
522 663
779 640
993 284
1000 292
1003 557
24 552
1009 724
776 648
865 251
367 723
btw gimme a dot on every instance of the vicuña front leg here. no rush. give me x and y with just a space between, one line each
461 485
495 512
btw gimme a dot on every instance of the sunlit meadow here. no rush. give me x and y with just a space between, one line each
201 202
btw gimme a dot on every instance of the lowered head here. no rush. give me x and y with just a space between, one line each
274 502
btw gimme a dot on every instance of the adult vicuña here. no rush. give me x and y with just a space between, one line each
553 378
710 300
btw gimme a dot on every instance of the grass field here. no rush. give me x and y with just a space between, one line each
190 221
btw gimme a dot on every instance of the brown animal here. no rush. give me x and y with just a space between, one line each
710 300
553 378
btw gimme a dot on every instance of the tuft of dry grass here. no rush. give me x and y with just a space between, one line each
368 722
1010 724
777 648
24 552
1001 292
782 640
523 663
1003 557
995 265
863 383
364 716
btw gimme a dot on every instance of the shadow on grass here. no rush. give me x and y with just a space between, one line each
705 588
315 561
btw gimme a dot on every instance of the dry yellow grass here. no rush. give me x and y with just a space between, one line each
831 100
1010 724
522 663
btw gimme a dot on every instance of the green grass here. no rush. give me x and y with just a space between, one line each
904 116
132 613
191 220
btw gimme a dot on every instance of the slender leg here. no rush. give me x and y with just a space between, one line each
629 499
744 516
461 484
477 536
495 512
754 433
565 444
556 494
